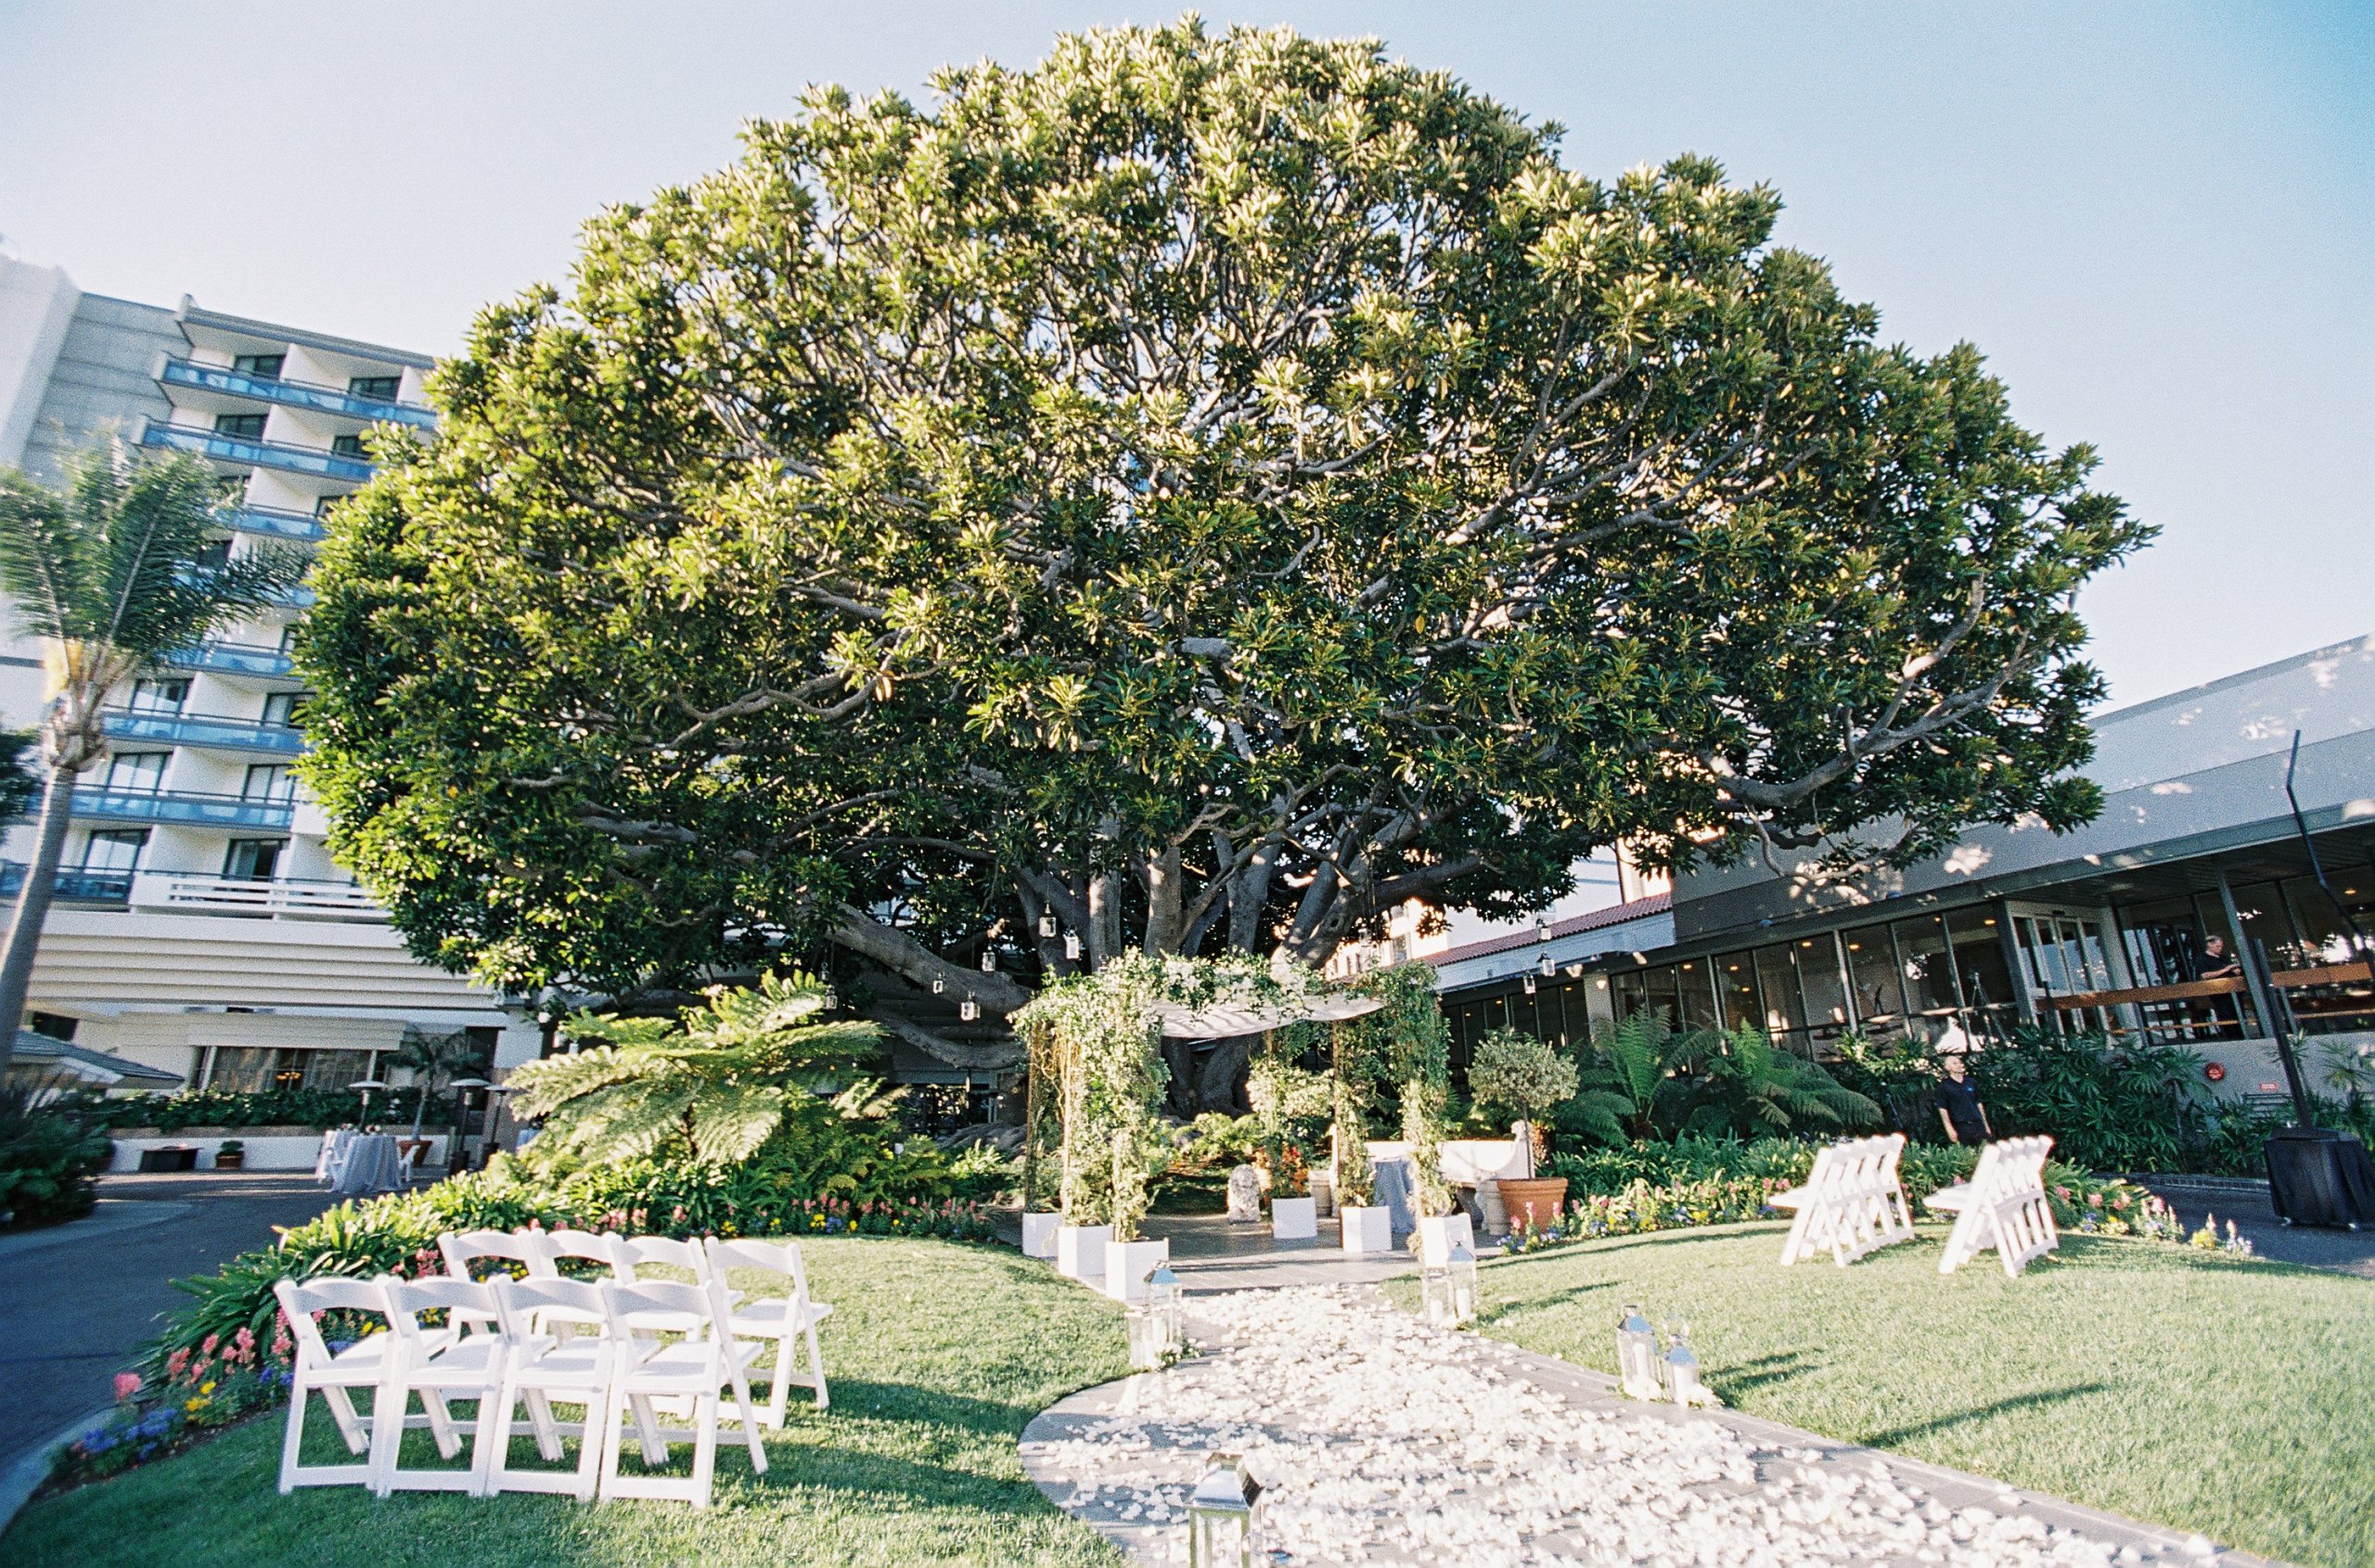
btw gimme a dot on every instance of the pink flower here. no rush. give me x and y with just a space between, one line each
176 1362
127 1384
206 1346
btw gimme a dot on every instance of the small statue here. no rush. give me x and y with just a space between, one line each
1245 1196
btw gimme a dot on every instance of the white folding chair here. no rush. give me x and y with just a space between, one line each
539 1366
2003 1205
462 1249
651 1368
632 1254
439 1366
332 1374
547 1250
789 1321
1811 1201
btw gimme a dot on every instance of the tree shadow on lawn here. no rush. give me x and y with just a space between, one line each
1898 1436
1778 1368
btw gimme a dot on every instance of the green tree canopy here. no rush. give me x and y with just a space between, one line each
1205 489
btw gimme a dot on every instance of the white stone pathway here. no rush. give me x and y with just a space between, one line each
1382 1441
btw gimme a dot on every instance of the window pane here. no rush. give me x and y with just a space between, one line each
1777 976
2265 922
1880 990
1698 1001
142 771
1979 959
1929 977
1736 974
1818 974
1626 993
114 849
242 1069
270 781
333 1070
1659 995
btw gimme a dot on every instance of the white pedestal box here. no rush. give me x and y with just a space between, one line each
1039 1234
1366 1229
1080 1250
1437 1234
1294 1219
1127 1263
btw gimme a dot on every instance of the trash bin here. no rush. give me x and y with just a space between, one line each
2317 1175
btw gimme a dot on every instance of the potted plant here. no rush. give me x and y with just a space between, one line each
1129 1257
1362 1225
231 1155
1517 1074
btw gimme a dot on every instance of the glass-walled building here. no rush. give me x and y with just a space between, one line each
2196 909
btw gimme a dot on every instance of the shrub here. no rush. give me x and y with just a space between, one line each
273 1107
2132 1108
51 1153
1520 1075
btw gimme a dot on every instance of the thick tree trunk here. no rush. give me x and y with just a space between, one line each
1220 1079
1163 902
32 908
903 955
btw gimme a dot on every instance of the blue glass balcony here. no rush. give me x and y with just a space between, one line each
294 395
235 659
72 883
198 729
186 806
257 454
275 525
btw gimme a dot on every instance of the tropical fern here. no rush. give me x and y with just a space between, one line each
1631 1086
1750 1086
713 1083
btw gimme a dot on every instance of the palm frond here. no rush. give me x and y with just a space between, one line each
729 1121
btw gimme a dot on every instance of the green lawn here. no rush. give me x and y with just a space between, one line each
937 1354
2233 1399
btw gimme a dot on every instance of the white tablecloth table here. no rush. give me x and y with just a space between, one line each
370 1163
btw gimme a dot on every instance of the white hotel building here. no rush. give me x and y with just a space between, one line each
202 927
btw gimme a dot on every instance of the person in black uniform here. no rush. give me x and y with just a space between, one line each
1958 1105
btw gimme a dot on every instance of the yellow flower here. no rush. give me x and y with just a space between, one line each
206 1387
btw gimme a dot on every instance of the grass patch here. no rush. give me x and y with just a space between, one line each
938 1356
2231 1398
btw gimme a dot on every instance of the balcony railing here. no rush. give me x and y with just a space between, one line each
235 895
189 807
275 524
235 659
202 729
294 395
257 454
72 883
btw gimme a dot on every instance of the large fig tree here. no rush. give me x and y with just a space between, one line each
1193 495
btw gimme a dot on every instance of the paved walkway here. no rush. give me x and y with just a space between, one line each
1380 1440
1210 1255
78 1300
2246 1202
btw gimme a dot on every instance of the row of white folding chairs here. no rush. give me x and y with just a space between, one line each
790 1321
616 1371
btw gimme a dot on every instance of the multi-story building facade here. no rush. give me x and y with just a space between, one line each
202 927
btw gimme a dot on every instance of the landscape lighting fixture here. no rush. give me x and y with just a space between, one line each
969 1009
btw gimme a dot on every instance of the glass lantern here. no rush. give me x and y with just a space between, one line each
989 961
1682 1367
1047 925
1163 1299
1149 1334
1637 1355
1071 945
1549 967
1448 1288
969 1009
1220 1515
1529 984
938 986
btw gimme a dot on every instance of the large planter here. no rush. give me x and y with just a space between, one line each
1127 1263
1366 1229
1039 1234
1294 1219
1540 1197
1080 1250
1437 1232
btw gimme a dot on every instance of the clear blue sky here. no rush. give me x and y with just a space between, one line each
2156 219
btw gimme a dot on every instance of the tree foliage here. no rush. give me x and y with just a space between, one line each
1207 488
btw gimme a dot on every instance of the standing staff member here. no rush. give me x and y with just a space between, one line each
1959 1106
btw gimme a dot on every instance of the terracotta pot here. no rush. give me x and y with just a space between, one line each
1540 1197
230 1159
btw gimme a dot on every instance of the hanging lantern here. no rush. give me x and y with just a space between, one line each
1149 1338
969 1009
1047 924
1637 1355
1529 983
1163 1299
1448 1288
1071 945
1549 966
1220 1515
938 986
989 961
1542 929
1682 1367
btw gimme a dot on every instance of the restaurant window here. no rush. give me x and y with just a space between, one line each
1979 963
1818 975
1879 988
2163 942
1698 998
241 426
2267 922
1736 987
1776 977
1660 995
2324 942
1627 994
1929 974
264 366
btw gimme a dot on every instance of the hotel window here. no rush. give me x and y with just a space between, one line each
285 707
264 366
114 849
245 427
380 389
349 446
137 772
252 860
270 781
212 555
159 697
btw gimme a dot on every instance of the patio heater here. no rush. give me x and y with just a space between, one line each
365 1087
463 1089
1220 1515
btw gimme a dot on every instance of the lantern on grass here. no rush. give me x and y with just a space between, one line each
1149 1334
1682 1368
1162 1299
1220 1515
1448 1288
1637 1355
989 961
938 986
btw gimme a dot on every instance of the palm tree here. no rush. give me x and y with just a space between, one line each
109 573
433 1060
718 1079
